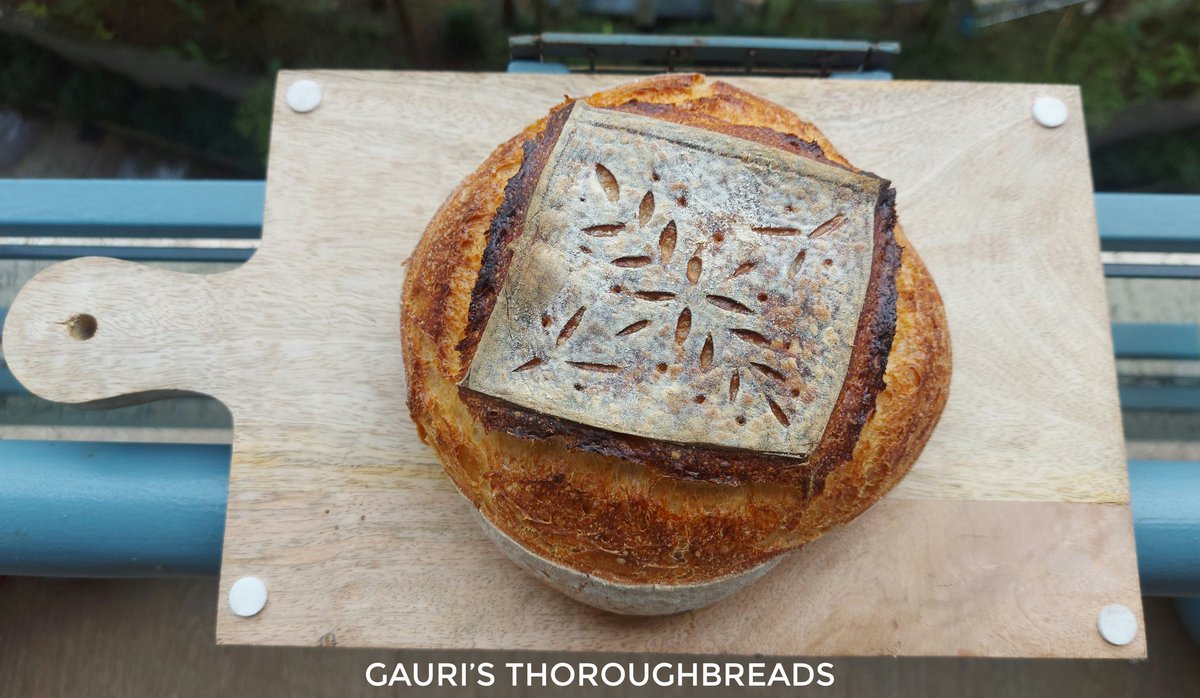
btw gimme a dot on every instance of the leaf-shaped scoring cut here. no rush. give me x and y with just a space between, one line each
706 353
634 327
569 327
727 303
742 269
776 230
612 188
532 363
769 371
828 226
798 262
750 336
588 366
631 262
604 230
646 208
683 325
695 266
776 410
666 242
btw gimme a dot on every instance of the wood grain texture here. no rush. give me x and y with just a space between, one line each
1006 539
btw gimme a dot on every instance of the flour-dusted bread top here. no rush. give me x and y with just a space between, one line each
634 510
713 302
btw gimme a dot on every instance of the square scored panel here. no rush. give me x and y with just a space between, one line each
682 285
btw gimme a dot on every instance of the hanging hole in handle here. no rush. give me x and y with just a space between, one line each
82 326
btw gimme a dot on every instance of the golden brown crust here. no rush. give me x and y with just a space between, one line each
856 401
621 520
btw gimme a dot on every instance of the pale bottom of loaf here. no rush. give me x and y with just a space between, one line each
627 599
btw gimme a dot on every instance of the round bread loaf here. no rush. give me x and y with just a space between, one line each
653 486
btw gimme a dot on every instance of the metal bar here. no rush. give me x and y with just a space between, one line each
111 510
1150 259
1165 496
1151 271
39 218
823 55
136 208
529 42
528 66
176 249
1173 398
863 75
1147 340
102 509
1153 222
1127 264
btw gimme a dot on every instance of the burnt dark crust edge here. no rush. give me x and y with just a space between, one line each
686 461
872 346
506 226
702 462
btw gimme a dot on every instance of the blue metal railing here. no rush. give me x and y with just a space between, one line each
111 510
1165 496
217 220
131 208
1149 222
551 52
107 509
1149 340
221 221
130 219
114 509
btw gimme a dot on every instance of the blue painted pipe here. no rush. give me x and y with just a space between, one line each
1149 222
1179 398
47 210
1156 340
104 510
233 210
111 510
131 207
1166 524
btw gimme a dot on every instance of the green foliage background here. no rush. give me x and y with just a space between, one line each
1126 55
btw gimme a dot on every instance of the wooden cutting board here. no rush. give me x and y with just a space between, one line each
1008 537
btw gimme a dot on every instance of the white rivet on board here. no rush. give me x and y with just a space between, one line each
247 596
1117 624
303 96
1050 112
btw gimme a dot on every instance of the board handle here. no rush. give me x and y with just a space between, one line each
105 331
